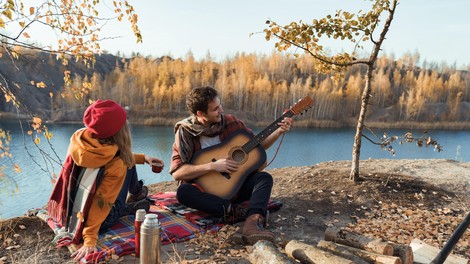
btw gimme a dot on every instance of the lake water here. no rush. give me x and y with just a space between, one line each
301 147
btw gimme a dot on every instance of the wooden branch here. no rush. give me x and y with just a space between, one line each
404 252
310 254
348 238
320 58
365 255
266 252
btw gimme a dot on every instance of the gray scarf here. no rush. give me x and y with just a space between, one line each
190 131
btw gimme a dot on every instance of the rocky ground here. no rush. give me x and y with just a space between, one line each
397 200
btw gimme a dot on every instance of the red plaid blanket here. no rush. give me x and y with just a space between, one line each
168 201
178 222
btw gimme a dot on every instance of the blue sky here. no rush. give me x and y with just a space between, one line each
438 30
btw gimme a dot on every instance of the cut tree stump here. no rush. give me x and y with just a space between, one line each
306 253
266 252
355 240
370 257
424 253
404 252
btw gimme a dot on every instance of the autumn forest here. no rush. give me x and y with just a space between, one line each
260 87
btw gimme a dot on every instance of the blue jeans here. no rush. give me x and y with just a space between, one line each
256 189
132 185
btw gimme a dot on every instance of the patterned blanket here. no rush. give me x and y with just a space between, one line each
179 223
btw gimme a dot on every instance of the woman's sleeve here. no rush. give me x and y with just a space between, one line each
139 158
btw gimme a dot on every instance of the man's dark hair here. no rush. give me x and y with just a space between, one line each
199 98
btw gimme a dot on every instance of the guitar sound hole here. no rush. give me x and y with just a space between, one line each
238 155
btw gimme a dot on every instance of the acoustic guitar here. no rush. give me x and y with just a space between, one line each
243 148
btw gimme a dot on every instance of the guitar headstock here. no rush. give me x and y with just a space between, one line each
302 105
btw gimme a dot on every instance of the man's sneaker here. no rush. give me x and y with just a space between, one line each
131 208
139 196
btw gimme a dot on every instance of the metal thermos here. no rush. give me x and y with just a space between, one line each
139 219
150 240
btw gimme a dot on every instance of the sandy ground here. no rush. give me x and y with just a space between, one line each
314 197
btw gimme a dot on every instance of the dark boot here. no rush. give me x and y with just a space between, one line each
253 231
138 196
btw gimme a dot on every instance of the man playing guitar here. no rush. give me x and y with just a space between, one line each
207 127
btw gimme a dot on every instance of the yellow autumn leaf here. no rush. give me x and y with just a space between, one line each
54 178
7 98
41 85
17 168
8 14
15 54
80 216
37 120
48 135
2 23
21 24
37 141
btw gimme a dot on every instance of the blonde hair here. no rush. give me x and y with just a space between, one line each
124 141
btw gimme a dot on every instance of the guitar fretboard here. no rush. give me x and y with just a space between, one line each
254 142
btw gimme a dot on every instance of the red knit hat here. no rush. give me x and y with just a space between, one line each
104 118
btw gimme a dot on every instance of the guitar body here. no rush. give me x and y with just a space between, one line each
227 185
243 148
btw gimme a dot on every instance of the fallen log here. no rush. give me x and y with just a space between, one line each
355 240
266 252
310 254
370 257
404 252
341 252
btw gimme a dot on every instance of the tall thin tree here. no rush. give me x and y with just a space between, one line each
357 28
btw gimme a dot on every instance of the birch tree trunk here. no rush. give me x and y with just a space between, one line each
356 153
366 93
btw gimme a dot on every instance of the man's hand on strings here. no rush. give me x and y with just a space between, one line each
225 165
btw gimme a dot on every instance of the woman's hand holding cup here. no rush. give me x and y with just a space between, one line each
157 167
157 164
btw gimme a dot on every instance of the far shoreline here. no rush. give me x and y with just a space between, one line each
170 121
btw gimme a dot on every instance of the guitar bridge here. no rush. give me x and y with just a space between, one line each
226 175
